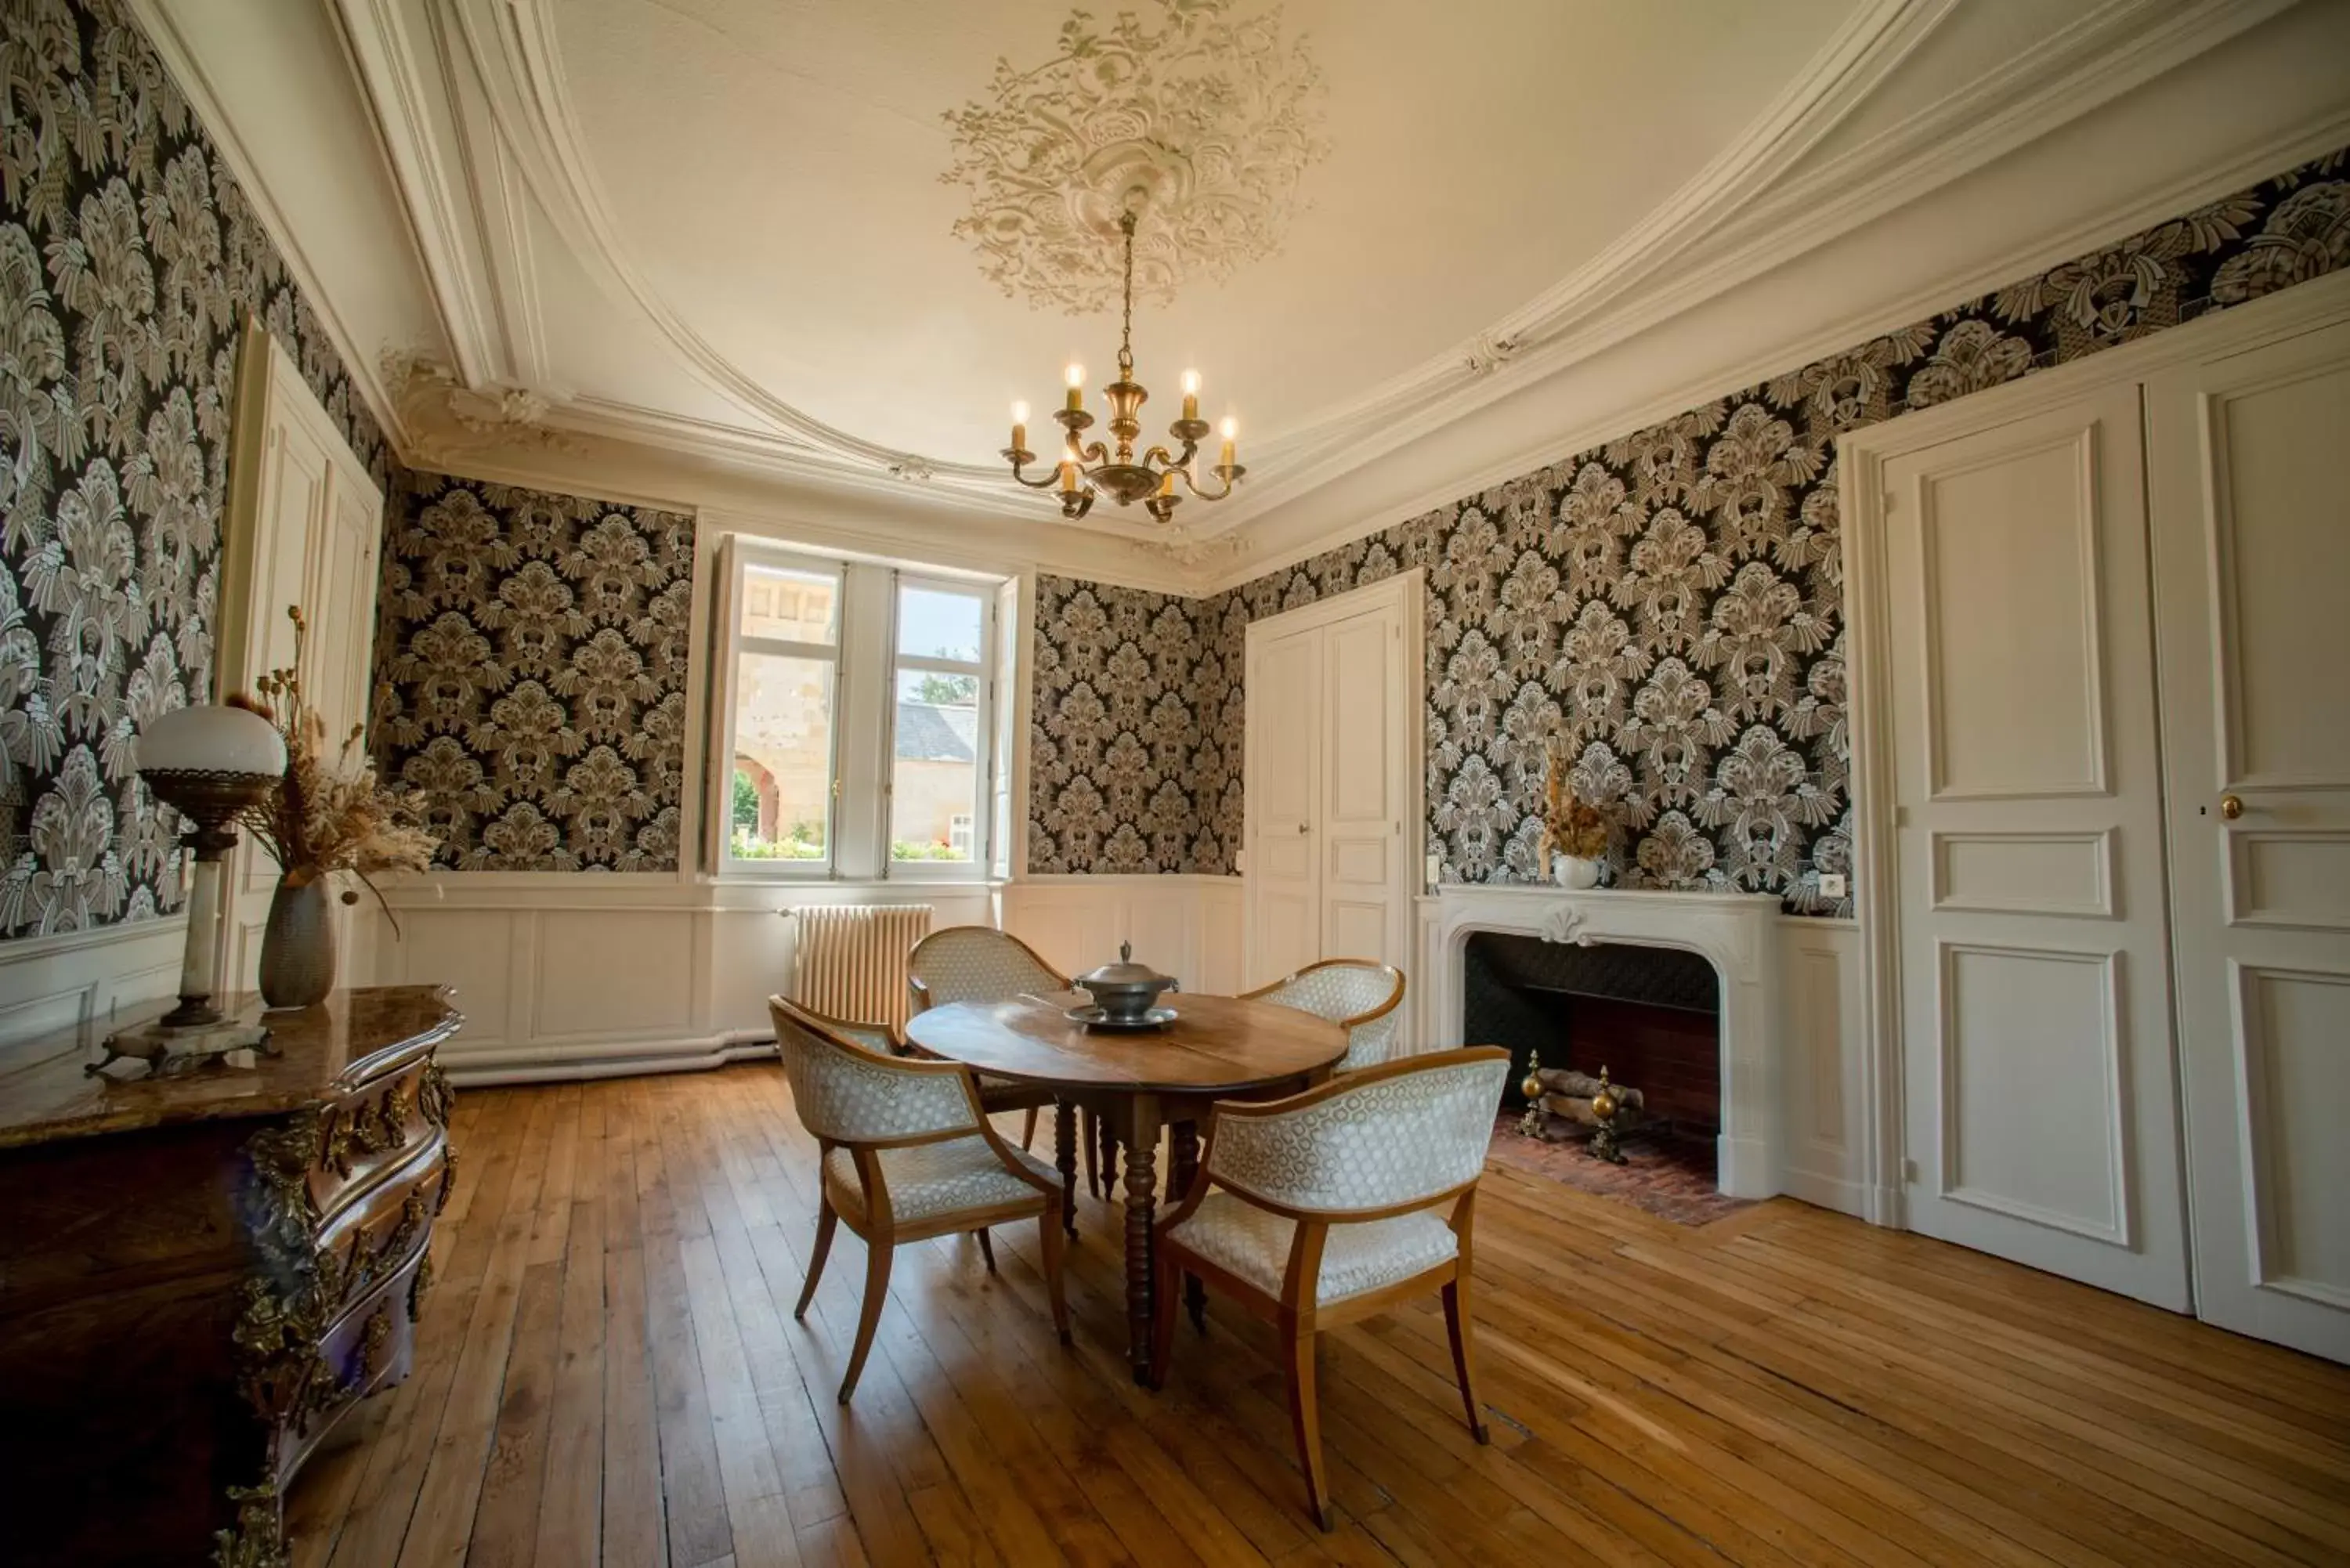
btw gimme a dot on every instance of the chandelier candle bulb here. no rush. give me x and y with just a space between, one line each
1020 426
1191 394
1232 434
1077 387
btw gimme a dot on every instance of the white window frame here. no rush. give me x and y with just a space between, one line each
978 867
744 555
863 763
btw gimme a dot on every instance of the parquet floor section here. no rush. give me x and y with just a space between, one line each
608 1372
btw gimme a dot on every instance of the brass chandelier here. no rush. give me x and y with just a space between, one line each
1087 469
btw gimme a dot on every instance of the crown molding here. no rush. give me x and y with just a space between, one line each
1753 208
180 60
2309 139
1599 308
374 37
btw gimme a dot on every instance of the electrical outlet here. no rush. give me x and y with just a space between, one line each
1435 870
1831 885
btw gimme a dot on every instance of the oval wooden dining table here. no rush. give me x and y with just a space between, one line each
1143 1082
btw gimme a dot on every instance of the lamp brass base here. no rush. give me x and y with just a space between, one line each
169 1050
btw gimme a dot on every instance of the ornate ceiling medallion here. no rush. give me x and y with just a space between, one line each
1206 121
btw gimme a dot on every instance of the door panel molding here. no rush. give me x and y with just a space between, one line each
2112 1093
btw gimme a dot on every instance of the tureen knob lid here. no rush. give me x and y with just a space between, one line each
1125 953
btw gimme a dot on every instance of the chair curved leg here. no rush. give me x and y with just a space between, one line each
1162 1319
1028 1130
1051 1243
1305 1419
1456 1327
986 1249
877 1254
825 1221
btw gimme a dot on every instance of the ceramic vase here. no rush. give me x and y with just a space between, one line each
297 947
1574 871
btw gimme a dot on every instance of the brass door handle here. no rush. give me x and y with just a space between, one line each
2232 806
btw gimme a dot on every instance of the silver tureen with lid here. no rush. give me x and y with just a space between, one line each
1126 993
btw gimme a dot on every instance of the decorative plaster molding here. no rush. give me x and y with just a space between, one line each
1566 924
1192 550
1206 123
428 392
1487 353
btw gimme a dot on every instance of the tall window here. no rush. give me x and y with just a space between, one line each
937 760
787 676
857 705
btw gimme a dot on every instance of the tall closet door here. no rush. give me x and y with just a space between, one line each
1283 793
2040 1107
1360 823
2252 526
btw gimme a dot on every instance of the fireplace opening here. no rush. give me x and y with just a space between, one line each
1651 1016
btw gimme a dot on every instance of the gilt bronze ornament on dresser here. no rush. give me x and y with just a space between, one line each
202 1274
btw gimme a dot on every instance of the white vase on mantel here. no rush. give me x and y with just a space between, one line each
1573 872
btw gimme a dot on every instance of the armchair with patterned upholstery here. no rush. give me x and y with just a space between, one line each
908 1153
1364 998
979 963
1332 1205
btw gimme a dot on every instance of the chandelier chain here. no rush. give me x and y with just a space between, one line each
1126 326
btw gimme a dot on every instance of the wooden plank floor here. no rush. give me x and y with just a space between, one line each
608 1371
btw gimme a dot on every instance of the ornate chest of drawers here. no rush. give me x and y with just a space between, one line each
199 1276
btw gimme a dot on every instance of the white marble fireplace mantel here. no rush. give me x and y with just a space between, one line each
1732 930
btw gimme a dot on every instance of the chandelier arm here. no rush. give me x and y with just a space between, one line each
1091 455
1047 482
1193 483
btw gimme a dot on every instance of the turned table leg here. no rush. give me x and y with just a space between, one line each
1141 1138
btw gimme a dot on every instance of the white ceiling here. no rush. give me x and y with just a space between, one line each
775 169
717 227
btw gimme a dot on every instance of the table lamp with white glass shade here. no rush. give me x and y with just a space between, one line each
208 763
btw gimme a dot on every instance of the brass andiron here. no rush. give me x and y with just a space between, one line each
1603 1111
1530 1125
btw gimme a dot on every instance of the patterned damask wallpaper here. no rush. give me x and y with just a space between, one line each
127 256
1671 603
530 674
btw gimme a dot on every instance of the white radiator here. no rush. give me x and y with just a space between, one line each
849 960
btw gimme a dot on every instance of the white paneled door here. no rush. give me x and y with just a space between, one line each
1283 870
2251 529
2039 1090
1331 814
305 527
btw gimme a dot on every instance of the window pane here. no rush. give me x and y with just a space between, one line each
788 604
782 804
935 778
932 624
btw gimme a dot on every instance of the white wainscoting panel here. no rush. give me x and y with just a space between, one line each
55 982
1823 1092
589 975
1189 926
